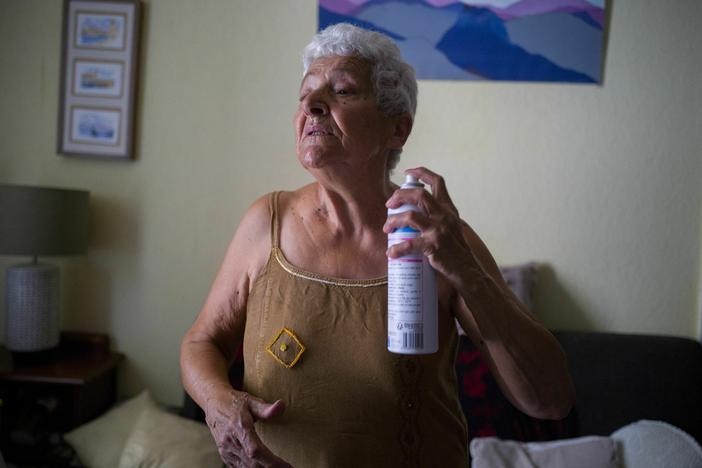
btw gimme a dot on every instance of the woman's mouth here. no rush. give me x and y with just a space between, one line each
318 130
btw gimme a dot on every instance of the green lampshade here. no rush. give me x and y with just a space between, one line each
40 221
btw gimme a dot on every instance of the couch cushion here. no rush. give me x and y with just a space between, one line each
582 452
162 439
521 279
99 443
652 444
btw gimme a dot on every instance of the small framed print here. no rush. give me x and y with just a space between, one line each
98 78
95 30
95 126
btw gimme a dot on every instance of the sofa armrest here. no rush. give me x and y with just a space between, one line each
622 378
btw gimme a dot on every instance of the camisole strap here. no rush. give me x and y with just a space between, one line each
278 255
273 202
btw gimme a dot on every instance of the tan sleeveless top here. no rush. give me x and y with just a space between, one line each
319 344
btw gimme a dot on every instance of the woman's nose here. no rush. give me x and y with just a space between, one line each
315 104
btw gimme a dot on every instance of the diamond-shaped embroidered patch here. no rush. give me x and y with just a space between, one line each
286 348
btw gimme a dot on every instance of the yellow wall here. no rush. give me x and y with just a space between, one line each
601 184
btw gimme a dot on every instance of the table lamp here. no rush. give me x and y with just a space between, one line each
38 221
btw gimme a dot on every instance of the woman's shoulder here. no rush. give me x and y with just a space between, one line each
253 238
295 200
257 215
260 211
298 195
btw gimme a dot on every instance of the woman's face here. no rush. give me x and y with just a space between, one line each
337 120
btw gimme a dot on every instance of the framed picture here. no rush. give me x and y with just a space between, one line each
95 30
99 64
99 126
96 78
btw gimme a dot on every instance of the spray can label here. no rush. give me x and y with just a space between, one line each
407 281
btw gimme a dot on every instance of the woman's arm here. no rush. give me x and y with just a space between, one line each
209 346
526 360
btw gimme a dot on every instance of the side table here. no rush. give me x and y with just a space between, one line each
53 391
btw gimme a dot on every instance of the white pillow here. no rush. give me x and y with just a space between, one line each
582 452
652 444
162 439
99 443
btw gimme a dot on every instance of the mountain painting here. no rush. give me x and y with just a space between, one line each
511 40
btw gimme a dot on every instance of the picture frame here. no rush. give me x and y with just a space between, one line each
98 78
95 125
99 66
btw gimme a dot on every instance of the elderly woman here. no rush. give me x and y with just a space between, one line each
304 286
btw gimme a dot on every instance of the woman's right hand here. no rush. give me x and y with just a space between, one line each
231 418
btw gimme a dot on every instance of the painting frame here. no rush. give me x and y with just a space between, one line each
99 70
544 41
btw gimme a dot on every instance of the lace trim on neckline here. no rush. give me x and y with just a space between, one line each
295 271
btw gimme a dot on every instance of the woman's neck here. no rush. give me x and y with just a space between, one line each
352 204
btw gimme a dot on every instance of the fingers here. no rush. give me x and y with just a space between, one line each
407 247
232 425
416 196
262 410
255 451
247 449
409 218
434 180
436 201
251 443
240 460
441 230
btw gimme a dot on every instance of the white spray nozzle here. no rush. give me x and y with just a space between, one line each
412 182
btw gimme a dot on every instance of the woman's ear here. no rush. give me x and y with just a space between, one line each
402 126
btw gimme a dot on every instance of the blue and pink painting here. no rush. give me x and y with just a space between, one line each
512 40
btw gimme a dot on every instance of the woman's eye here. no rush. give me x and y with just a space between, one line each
342 92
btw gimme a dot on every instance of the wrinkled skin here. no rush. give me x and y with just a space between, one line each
231 420
442 238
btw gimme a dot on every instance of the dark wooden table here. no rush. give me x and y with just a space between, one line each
50 392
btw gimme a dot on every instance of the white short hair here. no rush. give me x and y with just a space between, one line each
394 83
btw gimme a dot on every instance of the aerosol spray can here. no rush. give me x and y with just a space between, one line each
412 298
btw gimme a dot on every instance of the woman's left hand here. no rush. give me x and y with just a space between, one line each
442 238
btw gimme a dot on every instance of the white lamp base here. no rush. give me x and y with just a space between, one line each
32 292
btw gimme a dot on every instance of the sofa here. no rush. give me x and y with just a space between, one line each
619 379
622 378
641 395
